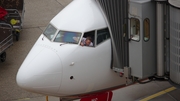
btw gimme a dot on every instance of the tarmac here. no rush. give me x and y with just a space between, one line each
38 14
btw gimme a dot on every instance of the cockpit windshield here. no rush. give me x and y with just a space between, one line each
50 31
68 37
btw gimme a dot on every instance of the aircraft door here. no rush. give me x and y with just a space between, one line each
142 39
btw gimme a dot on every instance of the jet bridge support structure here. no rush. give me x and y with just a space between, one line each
160 36
116 13
168 39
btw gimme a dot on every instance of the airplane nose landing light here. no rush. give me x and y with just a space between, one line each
41 71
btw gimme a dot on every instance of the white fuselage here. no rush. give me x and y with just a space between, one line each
65 69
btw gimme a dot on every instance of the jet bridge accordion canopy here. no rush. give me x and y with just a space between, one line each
116 13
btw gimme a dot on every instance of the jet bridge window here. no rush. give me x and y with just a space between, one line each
102 35
68 37
50 31
146 29
135 29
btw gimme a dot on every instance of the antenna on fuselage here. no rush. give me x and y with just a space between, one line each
43 38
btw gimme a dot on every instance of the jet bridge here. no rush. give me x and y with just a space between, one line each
133 43
145 37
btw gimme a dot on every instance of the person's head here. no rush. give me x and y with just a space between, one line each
88 41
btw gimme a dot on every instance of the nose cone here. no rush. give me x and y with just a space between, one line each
41 71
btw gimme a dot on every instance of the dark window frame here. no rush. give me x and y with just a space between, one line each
103 40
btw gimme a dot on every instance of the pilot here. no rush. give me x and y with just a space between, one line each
86 42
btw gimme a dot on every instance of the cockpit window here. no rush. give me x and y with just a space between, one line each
50 31
68 37
102 35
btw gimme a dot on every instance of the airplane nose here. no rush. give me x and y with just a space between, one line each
41 71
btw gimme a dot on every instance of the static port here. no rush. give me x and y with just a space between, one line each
71 77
